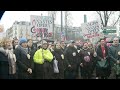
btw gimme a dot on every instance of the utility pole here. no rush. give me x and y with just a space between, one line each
85 18
53 15
53 26
66 24
119 24
61 24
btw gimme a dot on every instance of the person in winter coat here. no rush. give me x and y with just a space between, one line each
59 57
86 62
31 51
24 62
63 46
15 43
42 62
51 47
103 61
114 53
7 60
71 62
93 50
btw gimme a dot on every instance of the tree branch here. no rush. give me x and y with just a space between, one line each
109 14
99 13
116 20
105 18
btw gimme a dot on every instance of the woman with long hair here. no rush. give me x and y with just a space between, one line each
7 60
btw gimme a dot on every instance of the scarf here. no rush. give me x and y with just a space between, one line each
25 50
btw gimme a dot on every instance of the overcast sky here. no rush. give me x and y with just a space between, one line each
77 17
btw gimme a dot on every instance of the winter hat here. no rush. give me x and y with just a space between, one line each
22 40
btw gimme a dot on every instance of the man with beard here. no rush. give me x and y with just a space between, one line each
43 62
71 59
86 62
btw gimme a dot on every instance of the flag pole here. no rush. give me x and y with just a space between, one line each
42 40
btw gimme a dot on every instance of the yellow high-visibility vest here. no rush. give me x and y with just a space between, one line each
38 58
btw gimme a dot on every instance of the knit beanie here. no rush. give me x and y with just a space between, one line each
22 40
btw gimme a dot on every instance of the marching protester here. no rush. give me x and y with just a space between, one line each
23 60
7 60
31 51
43 68
93 50
78 46
114 53
59 58
71 62
15 43
51 47
63 46
103 61
86 62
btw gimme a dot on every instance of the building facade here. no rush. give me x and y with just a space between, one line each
69 33
19 29
23 29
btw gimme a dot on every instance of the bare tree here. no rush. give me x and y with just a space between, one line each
105 17
68 22
68 18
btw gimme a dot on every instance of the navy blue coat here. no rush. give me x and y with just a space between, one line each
23 63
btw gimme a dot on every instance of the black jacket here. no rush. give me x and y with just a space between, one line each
31 52
99 52
70 59
4 66
57 53
84 53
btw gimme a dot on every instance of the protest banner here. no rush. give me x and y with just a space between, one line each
40 25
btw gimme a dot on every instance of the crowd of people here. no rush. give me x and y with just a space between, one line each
21 59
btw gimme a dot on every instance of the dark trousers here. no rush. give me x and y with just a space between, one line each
103 72
43 71
70 74
48 70
13 76
38 71
86 74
